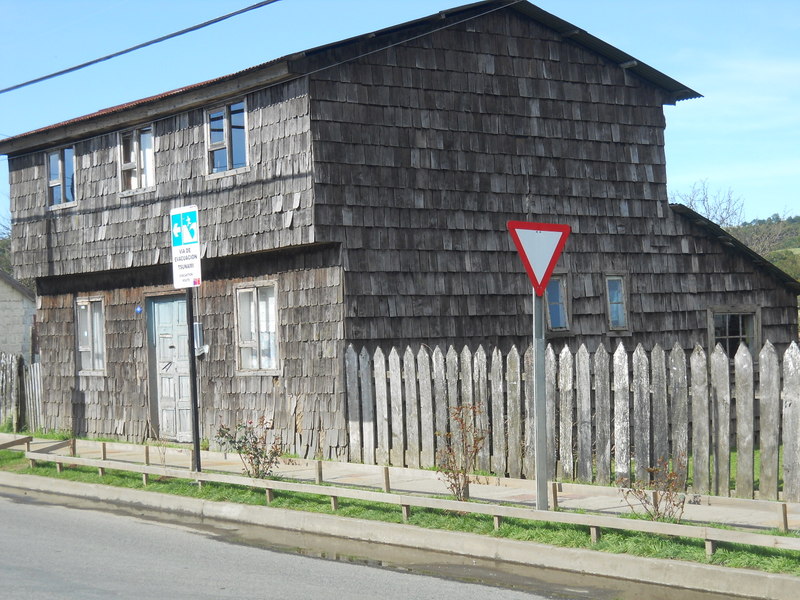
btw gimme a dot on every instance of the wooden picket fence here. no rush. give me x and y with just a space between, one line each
610 418
20 393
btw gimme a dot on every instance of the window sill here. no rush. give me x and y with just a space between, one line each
63 205
259 373
92 373
126 193
229 173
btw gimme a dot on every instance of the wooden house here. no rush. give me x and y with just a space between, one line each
359 193
17 314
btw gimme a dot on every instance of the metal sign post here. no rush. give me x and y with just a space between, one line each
186 273
539 246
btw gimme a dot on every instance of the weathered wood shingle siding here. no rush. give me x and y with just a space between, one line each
425 150
263 207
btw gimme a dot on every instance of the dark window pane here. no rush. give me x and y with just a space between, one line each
55 195
219 160
216 127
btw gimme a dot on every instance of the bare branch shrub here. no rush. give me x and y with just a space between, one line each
250 441
456 459
663 499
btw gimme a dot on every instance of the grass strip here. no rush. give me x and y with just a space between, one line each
555 534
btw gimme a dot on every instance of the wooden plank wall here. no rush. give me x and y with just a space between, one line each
649 414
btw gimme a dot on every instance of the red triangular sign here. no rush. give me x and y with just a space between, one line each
539 245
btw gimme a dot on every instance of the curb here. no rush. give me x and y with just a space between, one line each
671 573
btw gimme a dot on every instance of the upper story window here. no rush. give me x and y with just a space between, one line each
257 318
556 301
617 302
90 334
227 139
61 176
136 163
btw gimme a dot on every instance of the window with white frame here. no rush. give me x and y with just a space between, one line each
227 139
136 163
90 334
556 302
257 318
61 176
730 326
616 302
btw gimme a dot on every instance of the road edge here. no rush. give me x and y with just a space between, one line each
741 583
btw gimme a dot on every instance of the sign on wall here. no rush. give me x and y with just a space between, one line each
185 233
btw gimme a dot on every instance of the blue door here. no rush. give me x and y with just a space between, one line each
168 341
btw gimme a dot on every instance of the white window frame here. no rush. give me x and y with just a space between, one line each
93 342
623 278
250 338
141 167
746 310
62 181
227 143
563 286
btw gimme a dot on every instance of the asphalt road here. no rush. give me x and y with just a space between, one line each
49 551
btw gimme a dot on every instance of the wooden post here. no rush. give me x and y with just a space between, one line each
386 487
595 534
334 503
145 479
406 512
554 488
498 520
59 467
318 475
711 547
147 455
783 518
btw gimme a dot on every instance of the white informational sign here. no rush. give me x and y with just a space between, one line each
185 233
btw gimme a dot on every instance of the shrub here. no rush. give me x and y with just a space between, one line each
662 499
456 459
249 441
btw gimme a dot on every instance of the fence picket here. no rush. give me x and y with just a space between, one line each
514 406
411 403
583 389
426 411
451 361
791 424
701 420
396 421
744 422
551 373
679 407
721 421
622 459
498 430
641 414
381 408
440 398
566 406
660 407
769 382
482 416
602 415
367 407
354 419
528 434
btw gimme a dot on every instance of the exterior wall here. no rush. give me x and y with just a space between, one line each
16 321
304 401
424 151
264 206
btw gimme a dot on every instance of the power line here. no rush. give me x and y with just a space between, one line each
137 47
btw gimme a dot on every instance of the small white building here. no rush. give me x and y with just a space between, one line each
17 311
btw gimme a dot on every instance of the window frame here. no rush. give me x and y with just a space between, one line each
255 344
623 277
62 179
139 165
97 342
750 310
227 143
564 287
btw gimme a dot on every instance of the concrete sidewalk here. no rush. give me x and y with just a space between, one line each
734 512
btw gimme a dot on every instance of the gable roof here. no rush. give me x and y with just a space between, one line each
281 69
13 283
726 239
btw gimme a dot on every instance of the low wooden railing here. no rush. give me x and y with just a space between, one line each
596 523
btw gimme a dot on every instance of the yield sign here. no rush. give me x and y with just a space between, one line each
539 245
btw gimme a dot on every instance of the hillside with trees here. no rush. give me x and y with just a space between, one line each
777 238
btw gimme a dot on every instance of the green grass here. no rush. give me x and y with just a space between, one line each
567 536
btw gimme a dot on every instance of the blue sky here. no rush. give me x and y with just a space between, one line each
743 56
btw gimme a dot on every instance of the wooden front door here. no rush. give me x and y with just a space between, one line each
168 341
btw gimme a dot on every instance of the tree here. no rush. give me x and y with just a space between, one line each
722 207
5 247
